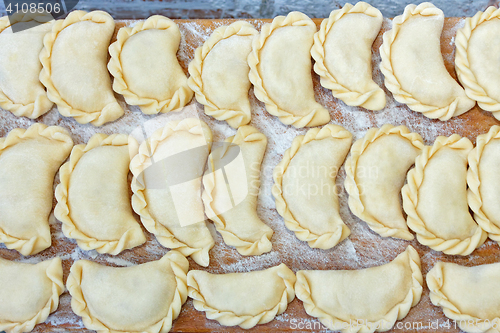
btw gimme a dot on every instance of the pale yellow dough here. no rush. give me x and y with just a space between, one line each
167 182
280 70
93 200
20 89
29 293
477 59
144 298
376 297
219 73
376 172
343 53
483 179
468 295
74 69
234 211
304 186
145 67
29 160
435 198
413 66
243 299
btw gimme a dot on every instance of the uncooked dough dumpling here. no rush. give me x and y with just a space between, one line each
304 186
375 297
235 212
343 53
142 298
145 67
435 198
219 73
413 65
376 172
280 70
243 299
29 160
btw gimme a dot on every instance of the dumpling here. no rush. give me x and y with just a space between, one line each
74 69
219 73
235 212
468 295
343 53
435 198
29 160
374 297
376 172
93 200
413 66
476 59
145 67
20 89
484 182
29 293
243 299
167 181
308 202
280 70
142 298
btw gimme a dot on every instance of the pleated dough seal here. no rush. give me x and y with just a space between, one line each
142 298
29 160
476 59
376 297
74 69
20 89
435 198
484 182
309 204
29 293
219 73
145 67
280 70
235 213
93 203
413 65
243 299
167 182
468 295
376 172
342 52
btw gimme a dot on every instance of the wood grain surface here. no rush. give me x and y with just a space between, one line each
367 248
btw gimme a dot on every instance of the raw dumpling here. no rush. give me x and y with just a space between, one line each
29 293
145 67
435 198
20 89
29 160
144 298
167 181
309 203
468 295
375 297
243 299
93 200
376 172
74 70
280 70
219 73
235 212
414 67
476 59
343 53
483 179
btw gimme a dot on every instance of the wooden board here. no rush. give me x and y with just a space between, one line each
362 249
